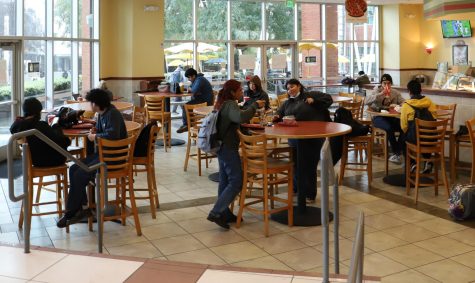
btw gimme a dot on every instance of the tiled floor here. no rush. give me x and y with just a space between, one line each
403 242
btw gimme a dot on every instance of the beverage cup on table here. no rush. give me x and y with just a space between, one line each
246 99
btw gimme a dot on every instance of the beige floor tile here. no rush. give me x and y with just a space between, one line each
411 255
344 269
122 237
111 270
381 205
219 237
169 198
467 259
164 230
147 220
237 252
408 276
302 259
352 211
359 197
411 233
348 229
15 263
10 238
444 271
178 244
204 256
466 236
346 249
198 225
219 276
268 262
441 226
195 194
379 265
278 244
410 215
87 243
381 221
75 231
444 246
181 214
255 230
5 279
310 236
142 250
380 241
40 241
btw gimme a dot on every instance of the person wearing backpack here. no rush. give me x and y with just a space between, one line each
419 107
230 116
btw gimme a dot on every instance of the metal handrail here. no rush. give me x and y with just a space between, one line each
328 174
26 196
355 275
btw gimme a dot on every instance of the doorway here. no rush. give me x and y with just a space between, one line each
10 84
273 63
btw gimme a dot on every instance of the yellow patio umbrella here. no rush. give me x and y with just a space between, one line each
368 58
176 62
331 44
343 59
188 47
310 46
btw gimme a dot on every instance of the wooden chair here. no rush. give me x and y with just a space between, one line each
430 141
354 107
61 181
471 133
381 138
194 122
450 116
155 110
139 115
118 155
148 162
281 99
359 144
258 168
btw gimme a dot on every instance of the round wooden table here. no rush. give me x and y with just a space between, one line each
305 216
86 106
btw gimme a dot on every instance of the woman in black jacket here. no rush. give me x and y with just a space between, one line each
305 106
255 93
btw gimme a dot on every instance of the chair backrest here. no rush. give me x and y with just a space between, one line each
354 107
215 97
117 154
193 119
254 150
345 94
450 116
139 115
281 98
471 133
431 133
155 107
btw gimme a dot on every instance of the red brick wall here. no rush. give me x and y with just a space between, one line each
311 29
332 35
86 46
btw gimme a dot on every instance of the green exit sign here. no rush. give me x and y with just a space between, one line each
290 3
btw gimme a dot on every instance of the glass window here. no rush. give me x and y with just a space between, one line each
62 18
213 60
178 54
84 66
178 19
85 18
246 20
365 58
335 22
7 17
211 16
280 21
62 71
367 31
34 18
34 79
310 63
309 23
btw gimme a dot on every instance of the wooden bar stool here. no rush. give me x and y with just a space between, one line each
194 122
361 144
61 181
148 162
471 134
155 110
430 141
260 169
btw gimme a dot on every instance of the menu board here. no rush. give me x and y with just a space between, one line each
247 61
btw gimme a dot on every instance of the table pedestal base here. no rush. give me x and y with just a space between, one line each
311 217
399 180
214 177
175 142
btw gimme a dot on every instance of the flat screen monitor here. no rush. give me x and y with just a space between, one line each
456 28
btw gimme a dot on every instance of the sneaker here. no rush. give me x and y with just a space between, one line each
428 168
221 221
62 222
396 158
182 129
80 215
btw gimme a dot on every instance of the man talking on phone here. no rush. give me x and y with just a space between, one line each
385 97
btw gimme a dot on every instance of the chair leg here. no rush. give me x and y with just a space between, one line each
369 155
187 156
408 172
134 207
242 199
418 169
444 176
38 192
123 199
436 178
151 192
199 160
265 193
155 189
290 203
164 136
343 160
90 197
386 157
65 192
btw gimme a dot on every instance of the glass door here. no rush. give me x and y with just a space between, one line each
272 63
10 73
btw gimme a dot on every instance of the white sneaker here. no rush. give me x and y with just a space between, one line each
395 158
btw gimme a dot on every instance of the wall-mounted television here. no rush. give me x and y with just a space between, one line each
456 28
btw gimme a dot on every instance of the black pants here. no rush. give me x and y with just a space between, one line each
79 179
192 102
391 125
306 154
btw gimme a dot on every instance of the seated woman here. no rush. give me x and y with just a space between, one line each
230 171
42 155
383 96
255 92
305 106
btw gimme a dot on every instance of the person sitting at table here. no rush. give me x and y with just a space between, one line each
42 155
201 90
362 79
384 97
255 92
305 106
110 125
230 170
407 119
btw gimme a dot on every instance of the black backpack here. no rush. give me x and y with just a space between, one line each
419 113
344 116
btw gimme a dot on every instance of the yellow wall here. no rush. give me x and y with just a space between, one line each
411 51
131 39
389 37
